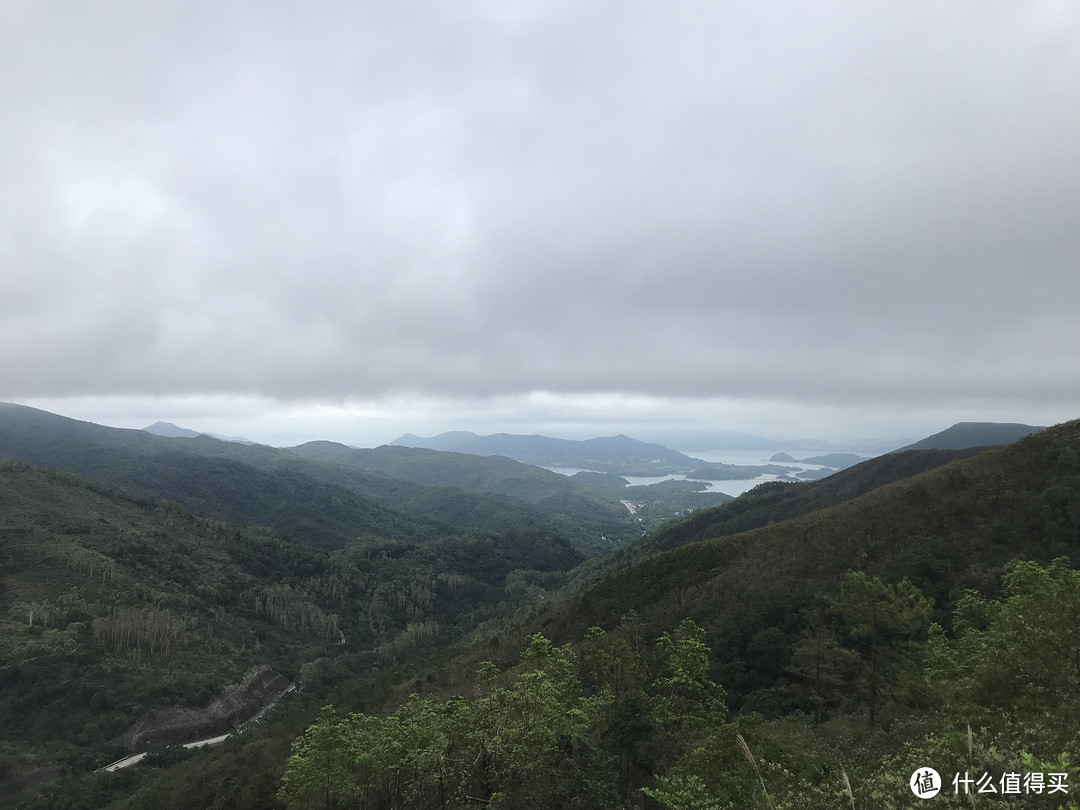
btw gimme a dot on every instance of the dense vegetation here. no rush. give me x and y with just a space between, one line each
326 494
930 622
805 645
314 501
765 504
113 604
775 502
616 722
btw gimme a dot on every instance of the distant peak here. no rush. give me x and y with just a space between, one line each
974 434
169 430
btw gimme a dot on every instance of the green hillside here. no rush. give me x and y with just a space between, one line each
974 434
921 623
319 502
766 504
561 497
905 612
775 502
951 528
585 502
114 605
439 468
616 454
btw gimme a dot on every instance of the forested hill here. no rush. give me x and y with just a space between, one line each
948 529
974 434
619 454
320 502
776 502
927 623
769 503
117 608
483 474
905 612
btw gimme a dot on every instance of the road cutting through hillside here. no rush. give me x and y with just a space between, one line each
135 759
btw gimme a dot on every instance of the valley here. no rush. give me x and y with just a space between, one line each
157 593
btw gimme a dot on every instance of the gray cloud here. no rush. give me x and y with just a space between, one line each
844 203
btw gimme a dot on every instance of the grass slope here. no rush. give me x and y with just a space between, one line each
767 504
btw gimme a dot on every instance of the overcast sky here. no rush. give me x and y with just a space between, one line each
294 220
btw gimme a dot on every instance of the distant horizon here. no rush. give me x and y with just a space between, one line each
707 440
751 443
681 439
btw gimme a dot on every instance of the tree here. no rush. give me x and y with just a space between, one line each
686 688
682 792
823 664
319 773
537 743
1026 646
687 704
880 620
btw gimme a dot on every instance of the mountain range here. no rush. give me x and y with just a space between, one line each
764 578
626 456
617 454
147 581
314 500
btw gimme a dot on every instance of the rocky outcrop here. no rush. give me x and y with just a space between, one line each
237 703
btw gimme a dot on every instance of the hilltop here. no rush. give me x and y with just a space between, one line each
170 430
327 493
974 434
173 431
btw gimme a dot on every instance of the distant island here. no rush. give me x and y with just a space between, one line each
615 455
736 472
836 461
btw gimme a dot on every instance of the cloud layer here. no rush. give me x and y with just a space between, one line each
843 203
